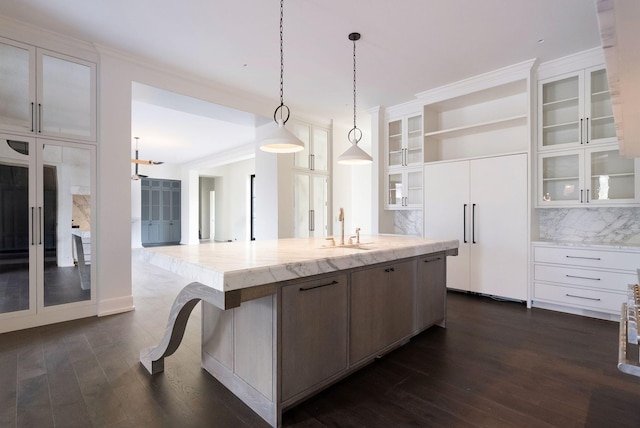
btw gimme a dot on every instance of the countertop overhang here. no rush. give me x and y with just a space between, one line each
237 265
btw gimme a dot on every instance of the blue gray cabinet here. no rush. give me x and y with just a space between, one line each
160 211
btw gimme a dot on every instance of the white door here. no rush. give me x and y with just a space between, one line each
447 214
498 262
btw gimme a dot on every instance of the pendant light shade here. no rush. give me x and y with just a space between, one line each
280 140
354 155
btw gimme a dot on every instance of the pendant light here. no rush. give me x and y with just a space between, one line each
281 140
354 155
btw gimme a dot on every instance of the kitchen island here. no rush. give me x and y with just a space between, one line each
284 319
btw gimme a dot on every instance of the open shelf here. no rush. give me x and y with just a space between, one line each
479 127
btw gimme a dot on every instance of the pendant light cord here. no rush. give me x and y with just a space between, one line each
354 85
281 57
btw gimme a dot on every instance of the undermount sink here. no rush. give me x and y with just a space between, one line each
360 246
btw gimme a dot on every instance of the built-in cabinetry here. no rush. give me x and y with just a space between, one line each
46 93
430 294
403 161
311 187
161 207
582 279
483 203
579 163
314 332
381 308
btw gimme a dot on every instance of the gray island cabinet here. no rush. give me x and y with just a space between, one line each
284 319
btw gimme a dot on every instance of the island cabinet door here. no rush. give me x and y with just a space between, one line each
382 308
431 290
314 333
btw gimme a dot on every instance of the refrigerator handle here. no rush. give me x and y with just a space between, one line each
473 224
464 223
40 225
33 222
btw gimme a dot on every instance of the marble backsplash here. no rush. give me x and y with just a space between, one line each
408 222
592 225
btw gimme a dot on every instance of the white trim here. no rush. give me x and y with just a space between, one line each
115 306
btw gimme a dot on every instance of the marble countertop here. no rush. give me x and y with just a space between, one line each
236 265
601 245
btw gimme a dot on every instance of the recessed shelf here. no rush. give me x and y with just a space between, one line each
561 103
602 118
560 179
623 174
560 125
479 127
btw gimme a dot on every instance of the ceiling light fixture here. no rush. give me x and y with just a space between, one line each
354 155
281 140
138 161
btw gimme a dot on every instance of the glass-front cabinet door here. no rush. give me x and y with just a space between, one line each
612 178
600 123
405 142
315 156
560 178
404 189
311 215
45 227
593 176
395 149
17 86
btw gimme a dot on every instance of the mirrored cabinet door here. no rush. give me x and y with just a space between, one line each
45 226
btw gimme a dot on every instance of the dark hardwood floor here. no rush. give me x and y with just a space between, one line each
496 364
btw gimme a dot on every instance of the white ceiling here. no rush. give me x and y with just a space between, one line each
407 46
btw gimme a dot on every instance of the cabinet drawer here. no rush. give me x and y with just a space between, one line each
588 258
591 299
613 281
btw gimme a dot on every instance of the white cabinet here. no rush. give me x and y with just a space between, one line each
315 156
45 93
311 199
583 280
482 203
404 188
575 109
589 177
404 157
404 141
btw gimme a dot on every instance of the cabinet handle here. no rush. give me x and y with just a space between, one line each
33 116
39 118
588 195
433 260
582 277
40 225
390 270
586 258
473 224
581 200
587 131
311 221
318 286
581 124
582 297
33 222
464 223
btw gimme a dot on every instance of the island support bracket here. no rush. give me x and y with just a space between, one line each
152 358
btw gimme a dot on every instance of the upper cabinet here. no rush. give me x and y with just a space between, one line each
315 156
404 141
45 93
404 159
575 110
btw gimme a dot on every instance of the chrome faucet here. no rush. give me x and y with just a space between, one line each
341 220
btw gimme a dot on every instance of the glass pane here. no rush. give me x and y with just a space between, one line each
395 189
66 97
15 105
612 176
560 178
414 187
15 224
301 159
320 149
560 112
301 206
395 143
66 182
601 124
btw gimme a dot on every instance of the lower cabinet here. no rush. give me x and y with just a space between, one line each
381 308
589 281
430 294
314 333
